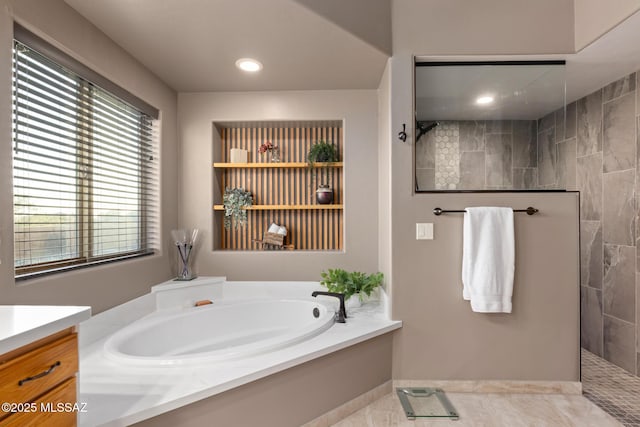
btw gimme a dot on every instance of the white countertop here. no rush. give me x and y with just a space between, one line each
23 324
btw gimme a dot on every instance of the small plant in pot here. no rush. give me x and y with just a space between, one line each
323 152
236 200
351 284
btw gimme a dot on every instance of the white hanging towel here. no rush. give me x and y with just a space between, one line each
488 259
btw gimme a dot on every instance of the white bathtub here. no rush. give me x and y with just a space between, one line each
148 368
221 331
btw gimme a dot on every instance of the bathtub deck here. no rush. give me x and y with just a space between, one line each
118 395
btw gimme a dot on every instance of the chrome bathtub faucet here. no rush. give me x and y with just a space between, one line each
341 314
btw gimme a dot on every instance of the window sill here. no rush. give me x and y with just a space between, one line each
38 274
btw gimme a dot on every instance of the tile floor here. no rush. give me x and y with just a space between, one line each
611 388
491 410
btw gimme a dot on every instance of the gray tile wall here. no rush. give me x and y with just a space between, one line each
479 155
591 146
597 153
557 150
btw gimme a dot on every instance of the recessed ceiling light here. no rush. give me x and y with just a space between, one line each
249 64
486 99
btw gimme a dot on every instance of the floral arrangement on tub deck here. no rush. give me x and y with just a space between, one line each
267 146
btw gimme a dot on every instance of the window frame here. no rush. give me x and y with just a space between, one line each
84 246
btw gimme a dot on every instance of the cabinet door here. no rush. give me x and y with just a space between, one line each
53 409
26 377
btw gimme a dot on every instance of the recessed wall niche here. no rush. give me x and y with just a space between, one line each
283 189
484 126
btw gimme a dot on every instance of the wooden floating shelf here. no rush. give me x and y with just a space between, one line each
284 207
280 165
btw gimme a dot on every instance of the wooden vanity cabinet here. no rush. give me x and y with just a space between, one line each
39 380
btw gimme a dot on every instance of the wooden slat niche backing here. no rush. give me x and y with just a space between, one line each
307 229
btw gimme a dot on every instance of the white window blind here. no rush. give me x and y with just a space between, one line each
85 170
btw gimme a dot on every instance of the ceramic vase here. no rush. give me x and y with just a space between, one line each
324 194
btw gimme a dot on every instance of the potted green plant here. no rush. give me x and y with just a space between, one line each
323 152
236 200
351 284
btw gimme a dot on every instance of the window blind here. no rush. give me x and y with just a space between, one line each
85 170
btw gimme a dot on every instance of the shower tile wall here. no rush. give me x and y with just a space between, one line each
557 150
596 151
478 155
593 149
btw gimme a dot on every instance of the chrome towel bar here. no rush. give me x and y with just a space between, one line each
440 211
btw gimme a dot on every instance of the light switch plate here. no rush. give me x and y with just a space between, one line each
424 231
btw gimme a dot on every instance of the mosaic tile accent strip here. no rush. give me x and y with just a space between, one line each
447 156
611 388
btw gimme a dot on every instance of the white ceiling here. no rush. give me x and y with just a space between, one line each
192 45
612 56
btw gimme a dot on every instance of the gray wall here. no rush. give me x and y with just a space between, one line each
109 285
358 109
384 175
599 155
490 27
441 337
